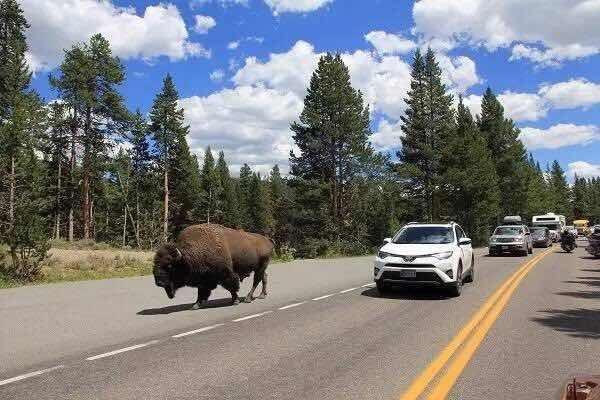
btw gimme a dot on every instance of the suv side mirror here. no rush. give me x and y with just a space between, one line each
464 241
387 240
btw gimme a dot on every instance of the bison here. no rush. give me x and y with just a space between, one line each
208 255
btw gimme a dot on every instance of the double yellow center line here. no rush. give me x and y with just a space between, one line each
467 340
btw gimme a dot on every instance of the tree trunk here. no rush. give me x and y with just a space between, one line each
86 175
72 177
124 226
166 206
137 218
11 213
58 190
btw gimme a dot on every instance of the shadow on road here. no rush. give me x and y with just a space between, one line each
407 294
184 307
578 322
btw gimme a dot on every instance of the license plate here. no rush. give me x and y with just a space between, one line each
408 273
504 247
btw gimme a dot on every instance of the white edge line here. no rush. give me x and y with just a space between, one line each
252 316
207 328
112 353
323 297
29 375
368 285
291 305
348 290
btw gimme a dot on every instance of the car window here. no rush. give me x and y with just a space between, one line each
424 235
507 230
459 233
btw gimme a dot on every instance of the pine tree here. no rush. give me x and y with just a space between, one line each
471 178
244 195
332 135
559 189
22 121
281 207
179 168
507 152
227 205
88 81
427 125
210 186
258 211
580 205
538 201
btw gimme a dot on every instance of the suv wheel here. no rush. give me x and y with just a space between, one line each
471 276
530 250
456 289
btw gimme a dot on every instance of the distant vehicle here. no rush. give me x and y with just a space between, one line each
540 236
582 226
568 240
511 239
512 220
438 255
572 230
593 246
556 223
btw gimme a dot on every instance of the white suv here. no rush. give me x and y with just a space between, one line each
438 255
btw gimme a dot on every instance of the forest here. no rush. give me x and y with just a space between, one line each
84 167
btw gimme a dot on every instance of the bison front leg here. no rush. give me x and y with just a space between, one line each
260 275
263 293
202 301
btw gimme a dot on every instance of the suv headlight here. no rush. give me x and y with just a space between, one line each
443 256
382 254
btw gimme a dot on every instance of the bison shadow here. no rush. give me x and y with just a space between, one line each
408 293
578 322
217 303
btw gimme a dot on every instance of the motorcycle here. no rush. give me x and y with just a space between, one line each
594 243
567 241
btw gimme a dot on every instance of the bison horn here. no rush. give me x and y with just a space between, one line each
179 255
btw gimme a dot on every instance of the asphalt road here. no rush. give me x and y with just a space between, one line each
320 334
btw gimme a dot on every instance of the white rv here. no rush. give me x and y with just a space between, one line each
556 223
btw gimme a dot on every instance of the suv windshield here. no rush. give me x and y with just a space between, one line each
507 230
538 229
425 235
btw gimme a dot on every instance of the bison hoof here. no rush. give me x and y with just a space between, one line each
262 296
248 299
196 306
236 302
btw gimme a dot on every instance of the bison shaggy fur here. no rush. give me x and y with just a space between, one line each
208 255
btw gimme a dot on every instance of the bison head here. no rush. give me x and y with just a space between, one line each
166 261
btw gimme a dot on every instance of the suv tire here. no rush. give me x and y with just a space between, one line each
456 289
471 277
381 287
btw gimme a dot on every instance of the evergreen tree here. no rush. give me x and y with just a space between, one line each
87 82
281 206
244 196
560 193
471 178
258 211
427 125
179 168
580 199
227 204
210 186
538 201
332 136
22 120
508 154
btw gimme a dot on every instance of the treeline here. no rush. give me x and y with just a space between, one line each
84 167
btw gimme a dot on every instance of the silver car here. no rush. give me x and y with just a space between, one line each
511 239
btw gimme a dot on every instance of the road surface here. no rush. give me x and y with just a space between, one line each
523 326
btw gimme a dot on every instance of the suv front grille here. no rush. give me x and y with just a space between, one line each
505 240
412 266
422 276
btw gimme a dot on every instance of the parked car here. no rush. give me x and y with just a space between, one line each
511 239
540 236
420 254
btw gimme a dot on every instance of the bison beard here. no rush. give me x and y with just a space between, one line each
208 255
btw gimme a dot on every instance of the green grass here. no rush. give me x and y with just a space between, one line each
92 268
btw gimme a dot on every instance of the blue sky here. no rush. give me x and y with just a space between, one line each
543 59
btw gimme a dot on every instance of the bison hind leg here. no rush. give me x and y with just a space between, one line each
232 284
263 293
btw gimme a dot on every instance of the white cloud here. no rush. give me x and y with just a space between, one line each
572 94
217 75
251 124
560 135
204 23
543 31
58 24
389 43
236 44
295 6
233 45
583 169
387 136
523 106
459 73
473 102
195 4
